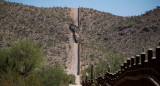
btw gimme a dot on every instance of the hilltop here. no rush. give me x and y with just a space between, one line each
103 36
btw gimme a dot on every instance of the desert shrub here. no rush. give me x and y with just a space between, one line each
21 65
18 62
23 57
15 79
33 80
11 79
72 81
99 68
114 61
4 55
55 76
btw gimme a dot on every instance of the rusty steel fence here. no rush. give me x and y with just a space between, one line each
140 70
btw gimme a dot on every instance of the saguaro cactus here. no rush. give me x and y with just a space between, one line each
91 71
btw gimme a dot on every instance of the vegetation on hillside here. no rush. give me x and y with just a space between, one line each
112 39
55 76
112 64
102 36
46 26
22 58
23 65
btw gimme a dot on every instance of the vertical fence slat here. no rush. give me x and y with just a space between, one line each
128 64
158 53
122 67
143 57
119 73
150 54
137 59
132 61
158 56
125 66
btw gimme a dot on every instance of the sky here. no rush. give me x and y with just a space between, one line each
116 7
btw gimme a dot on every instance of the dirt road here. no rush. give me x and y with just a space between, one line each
74 15
73 59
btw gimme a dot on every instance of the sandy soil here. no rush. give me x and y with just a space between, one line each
72 61
74 15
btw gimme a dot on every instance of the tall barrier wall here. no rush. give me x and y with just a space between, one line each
141 70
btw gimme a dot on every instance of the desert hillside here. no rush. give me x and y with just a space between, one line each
46 26
107 36
102 36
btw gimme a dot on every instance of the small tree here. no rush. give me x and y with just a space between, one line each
4 56
55 76
23 57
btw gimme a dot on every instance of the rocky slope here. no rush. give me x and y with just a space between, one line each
46 26
102 36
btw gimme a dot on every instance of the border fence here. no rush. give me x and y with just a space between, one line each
141 70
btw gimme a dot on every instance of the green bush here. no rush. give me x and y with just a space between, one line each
15 79
18 62
114 61
23 57
54 76
21 65
72 81
98 69
11 79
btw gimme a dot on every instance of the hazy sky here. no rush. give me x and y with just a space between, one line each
116 7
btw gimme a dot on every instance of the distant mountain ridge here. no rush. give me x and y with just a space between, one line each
101 35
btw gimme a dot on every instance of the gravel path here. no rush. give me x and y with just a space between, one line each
73 62
73 59
74 15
